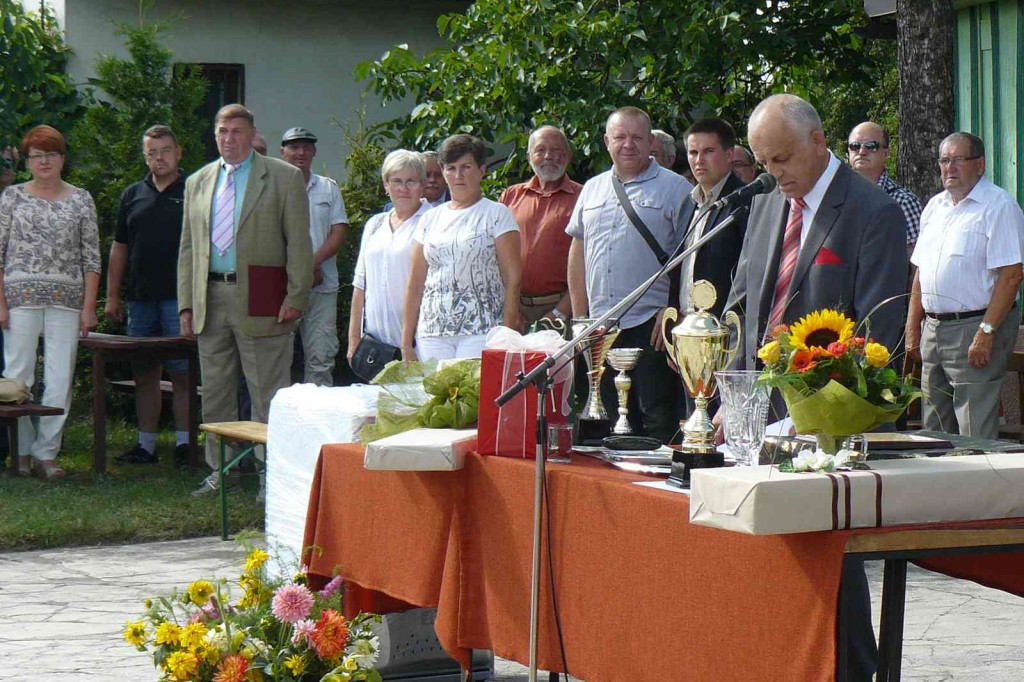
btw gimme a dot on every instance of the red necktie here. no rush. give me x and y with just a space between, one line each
790 253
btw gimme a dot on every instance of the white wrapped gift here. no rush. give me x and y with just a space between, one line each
421 450
764 501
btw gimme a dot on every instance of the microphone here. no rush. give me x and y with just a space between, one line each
762 184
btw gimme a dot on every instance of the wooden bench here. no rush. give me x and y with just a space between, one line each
9 415
166 387
251 433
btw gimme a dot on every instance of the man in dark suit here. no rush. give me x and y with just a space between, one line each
709 149
826 237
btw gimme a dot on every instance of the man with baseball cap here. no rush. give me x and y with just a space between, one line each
327 226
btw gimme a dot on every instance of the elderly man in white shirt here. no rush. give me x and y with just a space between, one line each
969 270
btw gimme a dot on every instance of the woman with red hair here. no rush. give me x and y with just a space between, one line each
49 276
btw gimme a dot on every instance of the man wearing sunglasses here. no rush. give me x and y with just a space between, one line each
868 147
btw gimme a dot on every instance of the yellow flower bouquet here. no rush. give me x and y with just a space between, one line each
277 629
835 384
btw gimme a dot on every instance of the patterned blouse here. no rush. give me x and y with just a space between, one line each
464 293
46 248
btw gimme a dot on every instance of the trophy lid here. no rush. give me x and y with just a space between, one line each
700 322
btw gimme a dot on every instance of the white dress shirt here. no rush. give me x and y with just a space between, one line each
700 199
961 246
814 197
382 272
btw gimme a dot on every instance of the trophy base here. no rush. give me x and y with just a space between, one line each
684 462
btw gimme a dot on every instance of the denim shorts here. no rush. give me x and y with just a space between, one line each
156 318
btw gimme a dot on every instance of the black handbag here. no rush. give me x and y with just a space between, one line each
371 355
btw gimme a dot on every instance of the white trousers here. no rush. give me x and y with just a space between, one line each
448 347
60 329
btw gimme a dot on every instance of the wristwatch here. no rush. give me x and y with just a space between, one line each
558 315
986 328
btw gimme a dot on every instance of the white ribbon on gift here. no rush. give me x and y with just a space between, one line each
516 346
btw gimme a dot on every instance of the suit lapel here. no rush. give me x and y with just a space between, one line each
253 188
777 213
824 220
206 184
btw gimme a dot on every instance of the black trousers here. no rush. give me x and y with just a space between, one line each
862 650
655 397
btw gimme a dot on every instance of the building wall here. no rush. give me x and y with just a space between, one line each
298 54
989 86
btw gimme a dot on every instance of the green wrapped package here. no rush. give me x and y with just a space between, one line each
835 410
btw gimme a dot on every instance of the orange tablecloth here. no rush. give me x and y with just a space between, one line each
643 594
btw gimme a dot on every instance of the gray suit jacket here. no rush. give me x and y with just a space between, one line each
273 229
853 258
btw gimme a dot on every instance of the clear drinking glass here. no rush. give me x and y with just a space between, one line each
744 414
559 443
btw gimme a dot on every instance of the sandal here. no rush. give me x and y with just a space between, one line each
24 465
48 469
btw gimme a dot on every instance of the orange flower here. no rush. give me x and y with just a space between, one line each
331 635
803 361
857 342
778 330
837 349
820 352
232 669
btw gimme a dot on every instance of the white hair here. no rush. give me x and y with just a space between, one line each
403 159
538 131
795 111
668 145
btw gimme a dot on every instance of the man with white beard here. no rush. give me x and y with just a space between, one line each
542 208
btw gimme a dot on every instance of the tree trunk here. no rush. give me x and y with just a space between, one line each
925 31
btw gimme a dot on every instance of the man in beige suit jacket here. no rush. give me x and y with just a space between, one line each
242 210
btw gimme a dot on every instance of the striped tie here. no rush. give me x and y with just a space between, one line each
790 253
224 215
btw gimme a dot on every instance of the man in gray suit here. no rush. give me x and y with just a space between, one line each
826 237
245 268
840 251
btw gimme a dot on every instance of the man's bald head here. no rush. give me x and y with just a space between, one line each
786 137
868 148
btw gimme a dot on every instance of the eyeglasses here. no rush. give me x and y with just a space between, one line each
869 146
157 153
955 160
48 156
408 184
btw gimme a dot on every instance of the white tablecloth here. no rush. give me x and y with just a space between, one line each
302 419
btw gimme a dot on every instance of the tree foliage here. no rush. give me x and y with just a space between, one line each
128 96
511 65
34 85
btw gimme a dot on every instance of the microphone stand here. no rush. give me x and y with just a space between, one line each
539 376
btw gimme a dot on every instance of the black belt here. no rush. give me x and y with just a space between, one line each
946 317
226 277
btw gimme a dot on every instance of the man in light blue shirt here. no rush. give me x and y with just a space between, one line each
609 258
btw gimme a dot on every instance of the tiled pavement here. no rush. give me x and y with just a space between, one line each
61 613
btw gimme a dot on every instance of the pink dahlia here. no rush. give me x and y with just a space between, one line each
292 603
304 630
331 587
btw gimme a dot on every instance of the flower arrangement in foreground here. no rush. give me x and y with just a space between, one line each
835 384
277 630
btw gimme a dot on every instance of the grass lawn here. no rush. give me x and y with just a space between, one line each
130 503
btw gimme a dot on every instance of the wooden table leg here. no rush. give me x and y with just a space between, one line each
193 421
12 439
99 414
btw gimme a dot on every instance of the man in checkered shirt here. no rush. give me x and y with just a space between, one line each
868 147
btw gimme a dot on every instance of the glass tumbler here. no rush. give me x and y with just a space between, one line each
744 414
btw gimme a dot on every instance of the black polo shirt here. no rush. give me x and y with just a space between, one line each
149 223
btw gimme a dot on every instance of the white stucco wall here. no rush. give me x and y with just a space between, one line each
298 54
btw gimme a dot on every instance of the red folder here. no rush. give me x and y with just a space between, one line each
268 286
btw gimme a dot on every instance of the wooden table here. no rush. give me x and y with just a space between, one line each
631 574
254 433
9 415
108 348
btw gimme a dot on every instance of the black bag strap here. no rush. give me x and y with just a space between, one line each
627 206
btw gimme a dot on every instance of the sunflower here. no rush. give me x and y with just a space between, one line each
820 329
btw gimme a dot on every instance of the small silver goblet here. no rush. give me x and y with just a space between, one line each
623 360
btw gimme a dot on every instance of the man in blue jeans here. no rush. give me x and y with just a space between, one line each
145 246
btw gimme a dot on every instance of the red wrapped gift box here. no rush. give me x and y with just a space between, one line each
512 430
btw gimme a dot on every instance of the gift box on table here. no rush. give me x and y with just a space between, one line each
764 501
421 450
511 430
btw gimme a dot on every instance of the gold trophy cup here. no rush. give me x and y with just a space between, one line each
600 342
699 347
623 360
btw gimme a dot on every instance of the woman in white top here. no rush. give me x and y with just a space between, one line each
382 269
466 264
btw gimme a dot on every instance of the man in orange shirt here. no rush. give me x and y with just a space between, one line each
542 208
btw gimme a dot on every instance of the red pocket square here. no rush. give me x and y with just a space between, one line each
827 256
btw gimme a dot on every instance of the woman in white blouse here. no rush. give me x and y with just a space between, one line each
466 264
382 269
